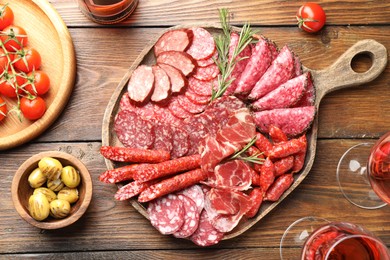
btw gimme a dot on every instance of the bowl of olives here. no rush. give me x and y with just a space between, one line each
51 190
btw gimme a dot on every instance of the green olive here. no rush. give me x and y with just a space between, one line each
36 178
50 167
55 185
38 206
70 177
59 208
50 195
68 194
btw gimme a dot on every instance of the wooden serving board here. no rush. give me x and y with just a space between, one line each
48 34
338 75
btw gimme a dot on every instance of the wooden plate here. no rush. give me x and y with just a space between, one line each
325 81
49 35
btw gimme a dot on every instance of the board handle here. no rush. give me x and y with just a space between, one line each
341 75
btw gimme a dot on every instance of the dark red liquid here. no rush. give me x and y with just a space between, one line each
105 2
332 240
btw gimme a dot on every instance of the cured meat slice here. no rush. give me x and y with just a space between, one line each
257 64
281 70
162 85
196 133
209 61
126 103
141 83
308 98
145 110
292 121
178 59
163 137
177 109
201 87
231 103
177 79
216 118
221 201
180 142
163 114
241 61
273 49
189 105
206 73
195 193
214 152
133 131
203 45
191 218
124 154
206 234
173 40
286 95
232 175
298 66
197 99
166 214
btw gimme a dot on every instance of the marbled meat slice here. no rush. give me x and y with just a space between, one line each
281 70
177 109
298 66
163 137
206 234
177 79
133 131
141 83
191 218
162 85
180 142
308 98
221 201
292 121
189 105
166 214
203 45
231 103
216 118
206 73
258 63
286 95
195 98
173 40
195 193
201 87
178 59
273 49
242 57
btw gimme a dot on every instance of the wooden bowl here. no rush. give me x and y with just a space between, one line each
21 190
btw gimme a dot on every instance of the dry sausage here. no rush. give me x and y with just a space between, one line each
125 154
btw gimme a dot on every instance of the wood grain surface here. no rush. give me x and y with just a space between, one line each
114 230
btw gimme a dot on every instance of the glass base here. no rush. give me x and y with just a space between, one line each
353 180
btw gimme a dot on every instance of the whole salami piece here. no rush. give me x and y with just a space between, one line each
203 45
280 185
162 85
206 234
178 59
166 214
177 79
131 189
173 40
141 83
125 154
123 173
191 218
281 70
133 131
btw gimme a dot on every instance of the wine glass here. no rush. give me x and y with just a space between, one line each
318 238
363 173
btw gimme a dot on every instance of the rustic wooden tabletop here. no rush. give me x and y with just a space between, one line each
115 230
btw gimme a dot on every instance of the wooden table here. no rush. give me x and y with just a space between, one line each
114 230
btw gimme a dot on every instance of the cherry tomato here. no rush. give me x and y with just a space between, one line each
4 62
311 17
3 109
14 38
9 82
33 108
39 83
27 60
6 16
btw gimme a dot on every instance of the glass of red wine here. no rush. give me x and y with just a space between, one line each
363 174
320 239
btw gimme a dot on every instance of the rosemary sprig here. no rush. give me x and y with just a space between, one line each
254 158
222 41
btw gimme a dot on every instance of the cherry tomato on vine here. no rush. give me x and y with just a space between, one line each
3 109
9 82
6 16
32 108
4 60
14 38
27 60
39 83
311 17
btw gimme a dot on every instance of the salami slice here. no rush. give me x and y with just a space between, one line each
163 114
176 78
141 83
206 234
209 61
206 73
178 59
197 99
190 106
308 98
201 87
173 40
163 137
195 193
145 110
162 85
231 103
196 133
180 142
298 66
203 45
166 214
286 95
258 63
126 103
292 121
191 218
133 131
281 70
177 109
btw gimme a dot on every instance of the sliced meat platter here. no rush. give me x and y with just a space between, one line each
207 168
